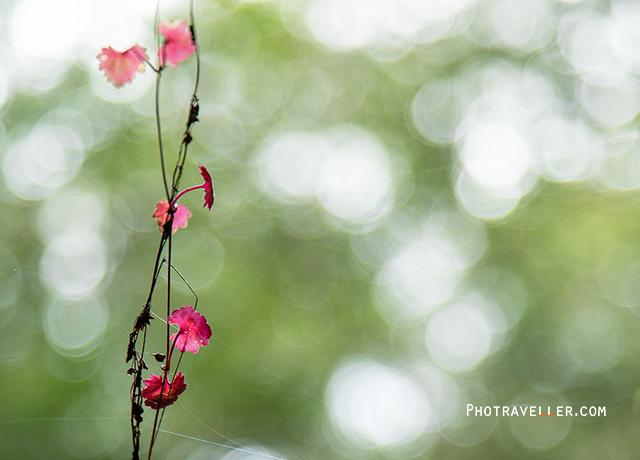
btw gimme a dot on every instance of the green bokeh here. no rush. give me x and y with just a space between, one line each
295 291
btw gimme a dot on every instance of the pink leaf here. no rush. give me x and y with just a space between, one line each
208 187
180 216
194 331
178 44
156 398
120 68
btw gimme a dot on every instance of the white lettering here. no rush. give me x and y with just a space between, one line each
514 411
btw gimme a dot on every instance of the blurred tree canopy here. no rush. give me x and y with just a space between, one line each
420 205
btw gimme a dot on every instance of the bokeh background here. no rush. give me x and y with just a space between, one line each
420 204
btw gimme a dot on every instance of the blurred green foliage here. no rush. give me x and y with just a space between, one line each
362 290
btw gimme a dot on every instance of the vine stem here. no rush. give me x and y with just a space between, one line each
139 365
159 130
166 241
190 189
169 349
193 33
